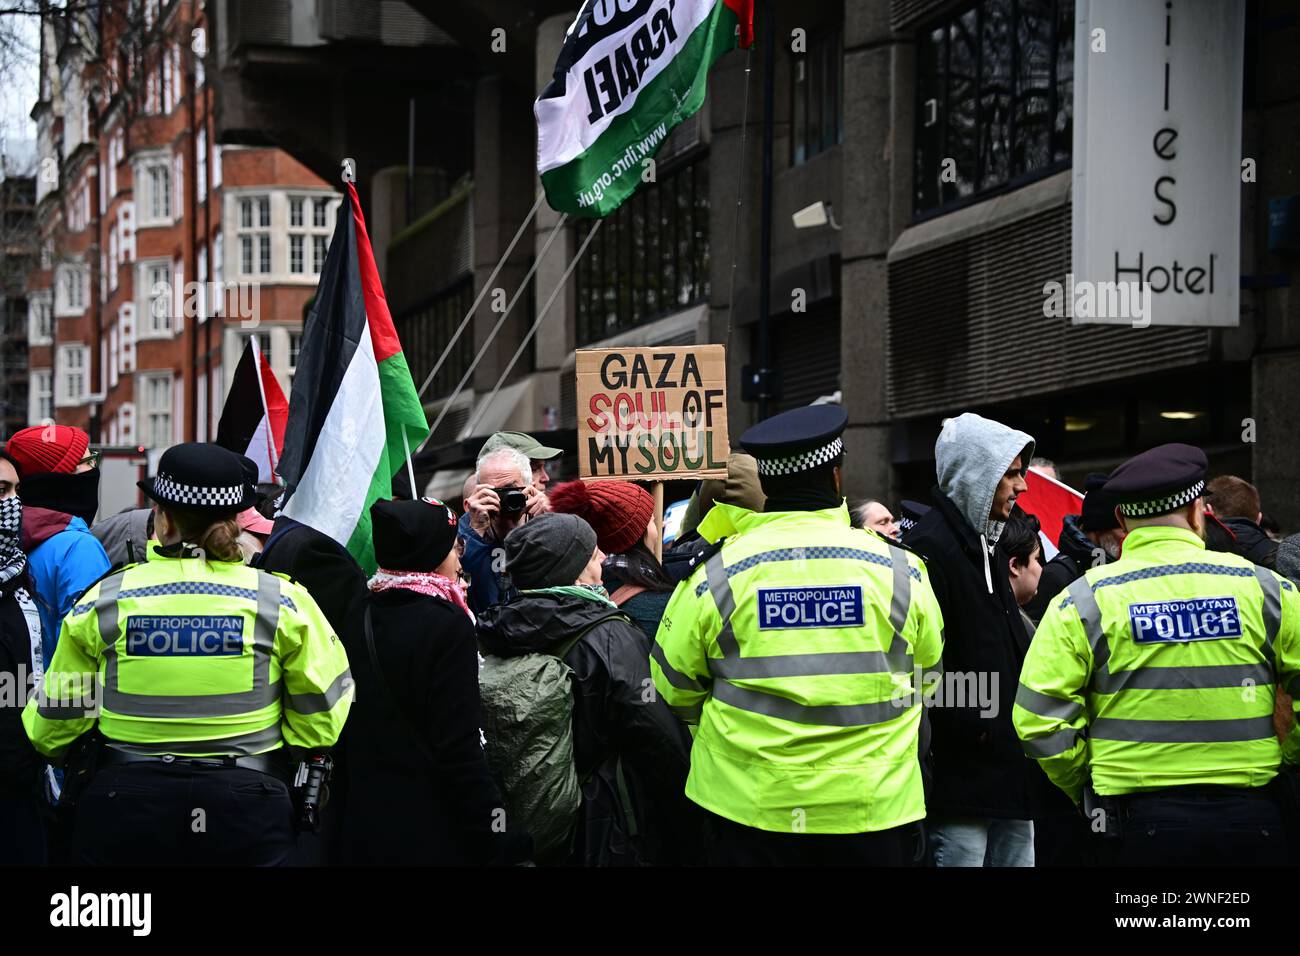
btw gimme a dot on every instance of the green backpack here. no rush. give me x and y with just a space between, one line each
528 722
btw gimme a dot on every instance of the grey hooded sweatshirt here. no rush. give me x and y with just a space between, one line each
971 456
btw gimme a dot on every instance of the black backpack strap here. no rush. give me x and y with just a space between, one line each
420 743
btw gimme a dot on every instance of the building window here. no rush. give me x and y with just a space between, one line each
155 178
155 298
156 410
70 289
41 397
70 369
201 171
817 113
425 331
994 99
295 348
254 235
216 166
40 315
308 224
650 258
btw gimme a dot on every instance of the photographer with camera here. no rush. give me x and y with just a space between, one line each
504 497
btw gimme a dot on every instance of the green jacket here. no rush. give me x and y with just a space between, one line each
193 658
797 649
1159 670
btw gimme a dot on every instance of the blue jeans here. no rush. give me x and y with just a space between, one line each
981 841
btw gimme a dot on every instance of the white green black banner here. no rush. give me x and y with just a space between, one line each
629 72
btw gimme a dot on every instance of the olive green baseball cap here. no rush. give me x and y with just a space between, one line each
520 442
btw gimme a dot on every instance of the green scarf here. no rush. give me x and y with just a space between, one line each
595 593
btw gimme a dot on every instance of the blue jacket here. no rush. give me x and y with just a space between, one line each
62 566
488 586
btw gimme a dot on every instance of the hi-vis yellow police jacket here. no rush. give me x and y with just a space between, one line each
1159 670
799 649
186 657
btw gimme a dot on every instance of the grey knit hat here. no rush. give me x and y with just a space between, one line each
1288 558
549 551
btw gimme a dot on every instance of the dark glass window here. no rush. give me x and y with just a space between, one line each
994 99
651 256
425 330
817 111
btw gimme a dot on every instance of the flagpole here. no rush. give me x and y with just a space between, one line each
537 261
559 287
410 466
455 336
266 411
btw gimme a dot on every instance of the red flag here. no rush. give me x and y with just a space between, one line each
1049 501
253 419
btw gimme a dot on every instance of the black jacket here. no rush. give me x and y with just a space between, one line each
1076 555
980 767
617 717
19 763
418 786
1251 542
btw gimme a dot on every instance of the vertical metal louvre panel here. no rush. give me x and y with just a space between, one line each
966 324
806 350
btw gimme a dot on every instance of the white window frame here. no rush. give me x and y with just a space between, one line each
216 165
72 369
155 422
40 318
152 193
255 237
308 232
201 172
149 273
40 396
71 289
126 338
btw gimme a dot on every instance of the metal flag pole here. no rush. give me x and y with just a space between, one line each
410 466
455 336
559 286
740 195
537 261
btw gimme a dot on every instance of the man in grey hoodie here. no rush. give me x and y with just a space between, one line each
985 791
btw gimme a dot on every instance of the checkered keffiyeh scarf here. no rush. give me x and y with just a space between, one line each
423 582
12 559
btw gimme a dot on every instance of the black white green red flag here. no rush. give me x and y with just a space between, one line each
629 72
352 398
254 416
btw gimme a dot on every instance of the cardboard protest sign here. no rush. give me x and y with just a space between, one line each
652 414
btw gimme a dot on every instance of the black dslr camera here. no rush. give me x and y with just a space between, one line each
513 500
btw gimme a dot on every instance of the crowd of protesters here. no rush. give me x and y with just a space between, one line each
505 707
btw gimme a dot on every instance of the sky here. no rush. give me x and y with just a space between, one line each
19 88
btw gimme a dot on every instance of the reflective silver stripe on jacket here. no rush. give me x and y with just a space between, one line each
1044 705
733 667
242 745
1182 731
674 676
1053 744
1272 606
262 694
322 702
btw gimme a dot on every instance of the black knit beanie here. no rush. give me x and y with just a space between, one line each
549 551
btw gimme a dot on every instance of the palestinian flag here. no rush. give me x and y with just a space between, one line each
353 410
627 75
1049 501
253 419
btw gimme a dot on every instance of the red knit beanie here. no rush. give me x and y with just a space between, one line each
42 449
619 511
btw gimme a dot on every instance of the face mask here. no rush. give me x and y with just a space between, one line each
11 526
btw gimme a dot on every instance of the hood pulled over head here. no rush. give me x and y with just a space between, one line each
971 456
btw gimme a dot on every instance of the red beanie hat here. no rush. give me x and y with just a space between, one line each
619 511
42 449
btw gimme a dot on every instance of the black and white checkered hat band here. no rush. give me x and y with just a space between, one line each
173 492
1162 506
804 461
906 524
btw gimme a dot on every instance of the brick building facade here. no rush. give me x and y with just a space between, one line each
160 250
